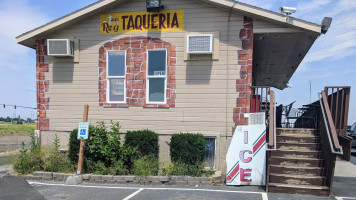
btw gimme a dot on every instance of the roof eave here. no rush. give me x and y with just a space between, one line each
27 38
267 15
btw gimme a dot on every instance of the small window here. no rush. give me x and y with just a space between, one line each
209 158
116 70
156 76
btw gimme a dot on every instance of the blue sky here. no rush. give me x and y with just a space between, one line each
330 62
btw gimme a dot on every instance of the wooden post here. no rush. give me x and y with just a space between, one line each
82 143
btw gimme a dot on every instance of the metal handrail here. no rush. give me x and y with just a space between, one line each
272 123
333 142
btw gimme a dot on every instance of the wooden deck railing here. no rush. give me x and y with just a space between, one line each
259 99
329 138
328 123
272 120
263 100
338 98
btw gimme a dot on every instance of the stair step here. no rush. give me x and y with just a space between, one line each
304 162
297 154
297 179
296 139
297 170
298 189
296 131
298 146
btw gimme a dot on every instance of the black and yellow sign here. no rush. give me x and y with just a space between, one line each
170 20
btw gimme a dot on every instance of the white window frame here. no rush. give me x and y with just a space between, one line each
159 76
113 77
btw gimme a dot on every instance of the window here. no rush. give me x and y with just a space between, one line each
116 70
209 157
156 76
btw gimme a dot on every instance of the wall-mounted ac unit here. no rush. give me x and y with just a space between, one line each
200 44
60 47
257 118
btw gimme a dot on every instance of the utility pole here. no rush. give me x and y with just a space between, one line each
309 91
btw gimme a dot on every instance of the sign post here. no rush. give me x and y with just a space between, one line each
83 132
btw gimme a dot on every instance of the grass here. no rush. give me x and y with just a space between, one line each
23 129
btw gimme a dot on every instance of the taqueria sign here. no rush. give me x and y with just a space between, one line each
170 20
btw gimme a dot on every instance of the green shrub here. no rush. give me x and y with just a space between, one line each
74 144
24 164
146 142
181 169
55 161
103 151
46 158
104 145
146 166
187 148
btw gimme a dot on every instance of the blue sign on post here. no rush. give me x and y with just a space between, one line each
83 130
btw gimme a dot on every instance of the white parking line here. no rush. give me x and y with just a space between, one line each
139 189
342 198
264 196
133 194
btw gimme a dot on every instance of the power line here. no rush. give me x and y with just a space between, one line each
15 106
343 22
331 46
336 35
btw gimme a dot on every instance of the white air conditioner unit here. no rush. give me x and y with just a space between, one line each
257 118
60 47
200 44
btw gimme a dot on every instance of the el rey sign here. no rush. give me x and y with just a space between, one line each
246 156
171 20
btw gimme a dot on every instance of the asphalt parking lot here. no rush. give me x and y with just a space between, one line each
15 188
62 191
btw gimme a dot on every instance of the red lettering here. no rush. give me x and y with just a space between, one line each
130 24
153 21
242 156
162 18
245 175
175 21
123 22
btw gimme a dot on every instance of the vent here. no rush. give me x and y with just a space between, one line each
200 44
256 118
60 47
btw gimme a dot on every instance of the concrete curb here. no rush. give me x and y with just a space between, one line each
214 180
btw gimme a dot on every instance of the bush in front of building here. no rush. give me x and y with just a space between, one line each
42 158
103 150
187 154
146 166
187 148
146 142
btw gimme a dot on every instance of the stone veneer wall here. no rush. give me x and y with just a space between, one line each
243 85
42 85
136 65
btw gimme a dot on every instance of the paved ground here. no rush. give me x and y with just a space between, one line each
17 189
344 188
